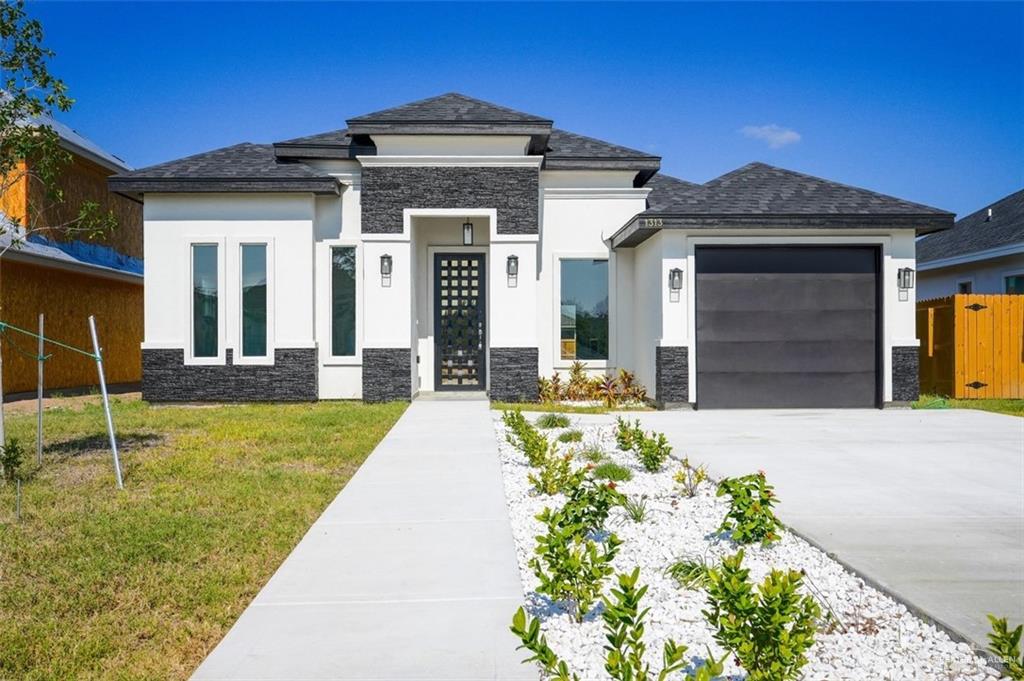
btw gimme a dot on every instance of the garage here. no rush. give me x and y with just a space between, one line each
787 326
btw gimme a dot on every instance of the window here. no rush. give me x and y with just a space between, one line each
204 300
254 300
343 301
964 286
1014 283
584 309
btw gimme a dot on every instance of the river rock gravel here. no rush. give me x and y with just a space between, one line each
871 638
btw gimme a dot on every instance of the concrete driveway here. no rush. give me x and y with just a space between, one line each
929 504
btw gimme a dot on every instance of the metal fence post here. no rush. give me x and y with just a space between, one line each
106 401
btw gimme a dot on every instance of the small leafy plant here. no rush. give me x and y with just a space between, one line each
750 517
534 446
555 473
579 386
625 648
608 391
12 458
571 436
587 506
572 568
690 478
609 470
769 628
552 420
690 572
625 432
651 451
1005 645
636 509
592 453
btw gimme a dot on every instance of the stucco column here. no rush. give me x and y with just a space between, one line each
512 339
672 350
387 332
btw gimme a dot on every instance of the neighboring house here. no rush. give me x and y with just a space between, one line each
983 253
54 273
452 244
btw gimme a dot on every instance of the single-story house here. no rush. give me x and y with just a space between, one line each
983 253
453 244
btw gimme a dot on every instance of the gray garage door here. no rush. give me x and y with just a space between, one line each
787 327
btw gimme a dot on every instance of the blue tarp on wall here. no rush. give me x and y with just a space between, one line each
93 254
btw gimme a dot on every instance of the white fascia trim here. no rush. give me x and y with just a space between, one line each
452 161
596 193
352 178
1012 249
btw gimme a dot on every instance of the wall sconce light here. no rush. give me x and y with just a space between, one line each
385 270
467 233
512 270
905 277
675 284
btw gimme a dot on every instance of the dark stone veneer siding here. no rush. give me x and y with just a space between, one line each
905 382
671 376
514 373
386 191
387 374
292 377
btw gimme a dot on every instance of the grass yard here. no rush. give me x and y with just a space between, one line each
1011 407
557 408
142 583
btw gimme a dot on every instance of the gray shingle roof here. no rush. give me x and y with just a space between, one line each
333 137
241 167
451 107
667 190
336 144
761 189
565 144
974 233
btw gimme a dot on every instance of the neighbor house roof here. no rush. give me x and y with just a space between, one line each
760 195
79 144
979 235
240 168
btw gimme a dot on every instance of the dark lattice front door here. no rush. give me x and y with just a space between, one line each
460 318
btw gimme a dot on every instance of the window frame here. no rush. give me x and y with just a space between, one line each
964 280
236 355
1011 273
562 364
189 345
325 281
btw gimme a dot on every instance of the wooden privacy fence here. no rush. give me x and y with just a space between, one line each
972 346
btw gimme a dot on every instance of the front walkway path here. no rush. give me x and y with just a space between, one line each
410 573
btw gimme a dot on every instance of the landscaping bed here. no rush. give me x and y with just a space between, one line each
859 632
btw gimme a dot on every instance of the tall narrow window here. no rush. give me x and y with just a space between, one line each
254 300
204 300
584 312
343 301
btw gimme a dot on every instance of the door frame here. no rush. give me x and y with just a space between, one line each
433 312
877 245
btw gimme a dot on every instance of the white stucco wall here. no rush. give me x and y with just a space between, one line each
173 221
986 276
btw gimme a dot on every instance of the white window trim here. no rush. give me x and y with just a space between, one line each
236 355
326 357
1009 273
556 286
189 355
964 280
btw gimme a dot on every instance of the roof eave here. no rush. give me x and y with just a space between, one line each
356 127
175 185
288 151
644 225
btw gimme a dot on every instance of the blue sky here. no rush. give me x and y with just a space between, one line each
924 101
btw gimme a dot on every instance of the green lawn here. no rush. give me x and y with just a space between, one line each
562 408
1012 407
142 583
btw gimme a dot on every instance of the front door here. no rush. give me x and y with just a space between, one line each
460 319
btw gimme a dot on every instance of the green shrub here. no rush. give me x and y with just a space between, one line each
555 473
750 517
651 451
1005 645
689 572
12 458
636 509
586 507
624 432
609 470
572 568
625 648
571 436
592 453
551 420
689 478
767 628
526 438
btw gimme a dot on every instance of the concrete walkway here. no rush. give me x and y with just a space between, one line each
928 503
410 573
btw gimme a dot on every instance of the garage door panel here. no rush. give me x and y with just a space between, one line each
780 325
786 390
787 326
785 292
829 356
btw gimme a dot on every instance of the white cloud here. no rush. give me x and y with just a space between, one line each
775 136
